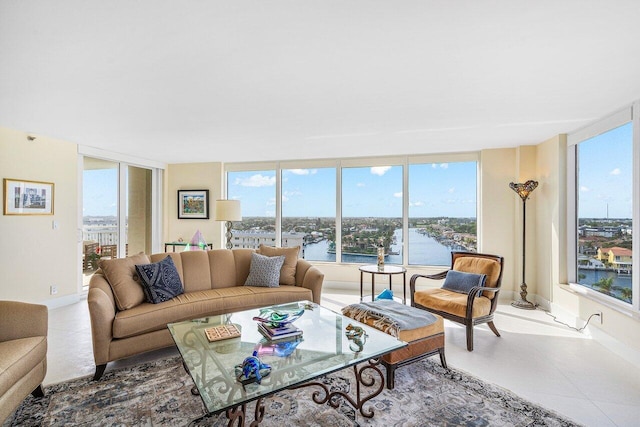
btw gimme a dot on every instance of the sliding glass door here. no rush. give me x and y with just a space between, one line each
117 213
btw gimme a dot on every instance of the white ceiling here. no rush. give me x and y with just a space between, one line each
206 80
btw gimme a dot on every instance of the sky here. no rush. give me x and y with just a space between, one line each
605 175
435 189
100 192
439 189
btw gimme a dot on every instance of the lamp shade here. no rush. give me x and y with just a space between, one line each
525 189
228 210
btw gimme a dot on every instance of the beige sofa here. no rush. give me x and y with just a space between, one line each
124 324
23 353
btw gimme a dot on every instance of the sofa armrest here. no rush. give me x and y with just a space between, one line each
102 312
23 320
309 277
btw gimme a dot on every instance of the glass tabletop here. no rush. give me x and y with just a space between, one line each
323 348
384 269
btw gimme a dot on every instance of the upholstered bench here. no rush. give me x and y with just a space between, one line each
423 331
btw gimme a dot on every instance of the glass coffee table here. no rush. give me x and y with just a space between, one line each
324 348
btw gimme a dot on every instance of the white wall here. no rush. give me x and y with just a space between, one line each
33 255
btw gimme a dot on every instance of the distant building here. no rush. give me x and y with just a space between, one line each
253 239
619 258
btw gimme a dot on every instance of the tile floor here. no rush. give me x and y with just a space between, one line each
535 358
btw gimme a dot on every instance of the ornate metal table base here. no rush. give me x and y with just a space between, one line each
238 414
361 380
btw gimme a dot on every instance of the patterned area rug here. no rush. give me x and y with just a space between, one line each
158 394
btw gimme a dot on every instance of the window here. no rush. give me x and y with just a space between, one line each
256 191
341 210
442 211
602 158
120 209
371 213
309 211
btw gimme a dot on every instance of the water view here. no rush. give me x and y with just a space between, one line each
425 250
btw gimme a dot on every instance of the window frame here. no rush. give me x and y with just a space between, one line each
339 164
608 123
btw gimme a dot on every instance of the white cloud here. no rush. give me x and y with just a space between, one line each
616 171
256 181
439 165
452 190
300 171
583 188
398 194
360 184
418 203
380 170
287 195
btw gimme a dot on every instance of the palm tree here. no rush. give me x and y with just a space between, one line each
605 285
626 294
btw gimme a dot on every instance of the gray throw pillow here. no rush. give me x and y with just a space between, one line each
264 271
459 281
160 281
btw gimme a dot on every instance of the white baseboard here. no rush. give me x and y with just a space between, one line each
61 301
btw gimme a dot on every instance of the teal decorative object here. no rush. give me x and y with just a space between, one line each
277 319
386 294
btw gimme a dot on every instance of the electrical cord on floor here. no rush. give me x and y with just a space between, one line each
566 324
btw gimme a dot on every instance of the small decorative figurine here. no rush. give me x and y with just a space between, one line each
357 335
252 370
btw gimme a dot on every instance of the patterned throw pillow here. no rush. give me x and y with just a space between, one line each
264 271
458 281
160 281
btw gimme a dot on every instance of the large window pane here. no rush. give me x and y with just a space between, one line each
371 213
604 217
99 213
309 211
256 191
442 211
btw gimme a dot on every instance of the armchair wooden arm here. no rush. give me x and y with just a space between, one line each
472 309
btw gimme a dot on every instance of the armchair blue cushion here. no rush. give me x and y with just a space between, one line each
458 281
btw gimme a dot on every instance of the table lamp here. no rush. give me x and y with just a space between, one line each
229 211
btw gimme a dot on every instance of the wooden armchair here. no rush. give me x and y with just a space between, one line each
470 309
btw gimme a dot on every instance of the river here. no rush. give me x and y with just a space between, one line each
592 276
425 250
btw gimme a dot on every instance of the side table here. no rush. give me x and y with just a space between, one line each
388 270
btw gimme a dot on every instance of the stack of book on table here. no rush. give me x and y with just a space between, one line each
287 331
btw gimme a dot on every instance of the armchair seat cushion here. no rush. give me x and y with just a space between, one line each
452 302
18 358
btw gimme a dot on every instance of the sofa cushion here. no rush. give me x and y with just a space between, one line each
123 278
264 271
18 358
458 281
288 270
160 281
193 305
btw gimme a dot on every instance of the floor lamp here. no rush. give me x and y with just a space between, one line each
229 211
523 191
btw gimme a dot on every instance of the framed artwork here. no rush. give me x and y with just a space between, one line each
193 204
23 197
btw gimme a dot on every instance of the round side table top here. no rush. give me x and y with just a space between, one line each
385 269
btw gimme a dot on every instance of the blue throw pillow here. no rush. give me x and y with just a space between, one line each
459 281
264 271
160 281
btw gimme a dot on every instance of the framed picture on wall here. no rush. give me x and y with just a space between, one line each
22 197
193 204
